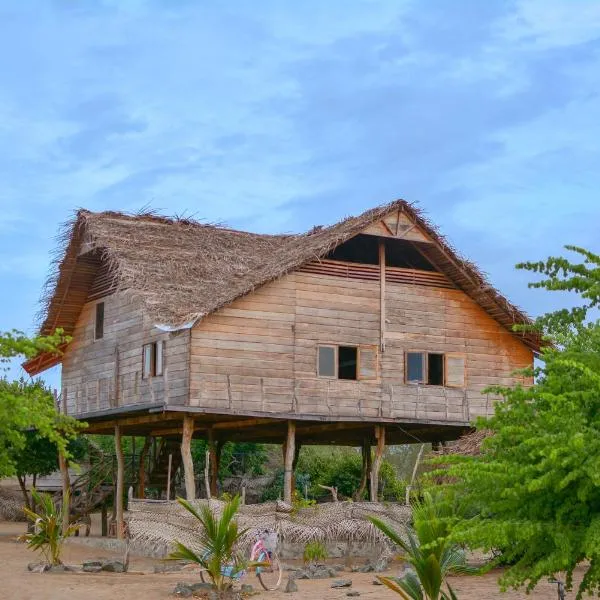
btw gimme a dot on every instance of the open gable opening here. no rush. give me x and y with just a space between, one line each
364 249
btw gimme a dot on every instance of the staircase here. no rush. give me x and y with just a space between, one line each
158 473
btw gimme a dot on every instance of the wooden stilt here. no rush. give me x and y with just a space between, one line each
288 467
186 456
379 449
214 448
365 471
120 482
142 467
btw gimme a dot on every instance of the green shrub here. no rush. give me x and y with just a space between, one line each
314 552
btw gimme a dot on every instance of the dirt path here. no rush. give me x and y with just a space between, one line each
16 583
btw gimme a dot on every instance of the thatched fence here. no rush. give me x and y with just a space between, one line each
155 525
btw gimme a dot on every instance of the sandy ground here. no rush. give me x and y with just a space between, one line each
16 583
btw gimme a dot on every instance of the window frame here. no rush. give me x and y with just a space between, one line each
463 356
359 347
154 369
99 311
335 361
445 356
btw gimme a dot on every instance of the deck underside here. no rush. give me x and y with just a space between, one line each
310 429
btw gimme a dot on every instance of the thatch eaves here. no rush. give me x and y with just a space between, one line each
184 270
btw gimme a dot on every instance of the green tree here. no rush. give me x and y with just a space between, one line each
536 484
28 406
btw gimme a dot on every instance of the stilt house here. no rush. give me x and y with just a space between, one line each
368 332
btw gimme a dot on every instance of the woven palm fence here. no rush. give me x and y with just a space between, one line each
155 525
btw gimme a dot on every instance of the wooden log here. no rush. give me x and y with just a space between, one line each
186 457
288 468
379 449
66 491
295 463
120 482
142 466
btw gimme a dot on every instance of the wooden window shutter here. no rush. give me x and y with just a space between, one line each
159 358
455 370
147 361
327 361
367 362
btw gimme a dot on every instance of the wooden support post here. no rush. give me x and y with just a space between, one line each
214 449
142 466
206 474
186 457
380 436
382 326
120 482
365 471
288 466
169 476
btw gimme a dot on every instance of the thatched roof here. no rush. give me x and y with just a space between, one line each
467 445
184 270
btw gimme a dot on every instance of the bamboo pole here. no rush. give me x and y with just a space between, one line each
290 448
120 482
379 449
186 456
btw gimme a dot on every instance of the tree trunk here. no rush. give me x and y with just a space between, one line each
186 456
214 449
66 491
23 485
120 482
365 470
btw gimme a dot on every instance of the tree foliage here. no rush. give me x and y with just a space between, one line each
29 406
536 485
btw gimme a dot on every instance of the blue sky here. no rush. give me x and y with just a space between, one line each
275 116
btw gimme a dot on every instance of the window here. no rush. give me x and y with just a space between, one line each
435 368
347 362
99 328
152 360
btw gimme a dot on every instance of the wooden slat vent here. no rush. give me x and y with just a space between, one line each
104 284
371 272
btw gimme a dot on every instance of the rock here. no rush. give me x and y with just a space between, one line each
381 565
183 590
290 586
113 566
342 583
302 575
36 567
353 593
338 567
377 582
366 569
91 566
332 572
246 588
322 573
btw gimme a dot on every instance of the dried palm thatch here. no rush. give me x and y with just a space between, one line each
183 270
156 525
467 445
11 506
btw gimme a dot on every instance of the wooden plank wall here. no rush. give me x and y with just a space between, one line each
259 354
91 378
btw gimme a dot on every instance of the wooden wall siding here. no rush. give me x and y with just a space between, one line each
346 270
92 380
259 353
104 284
